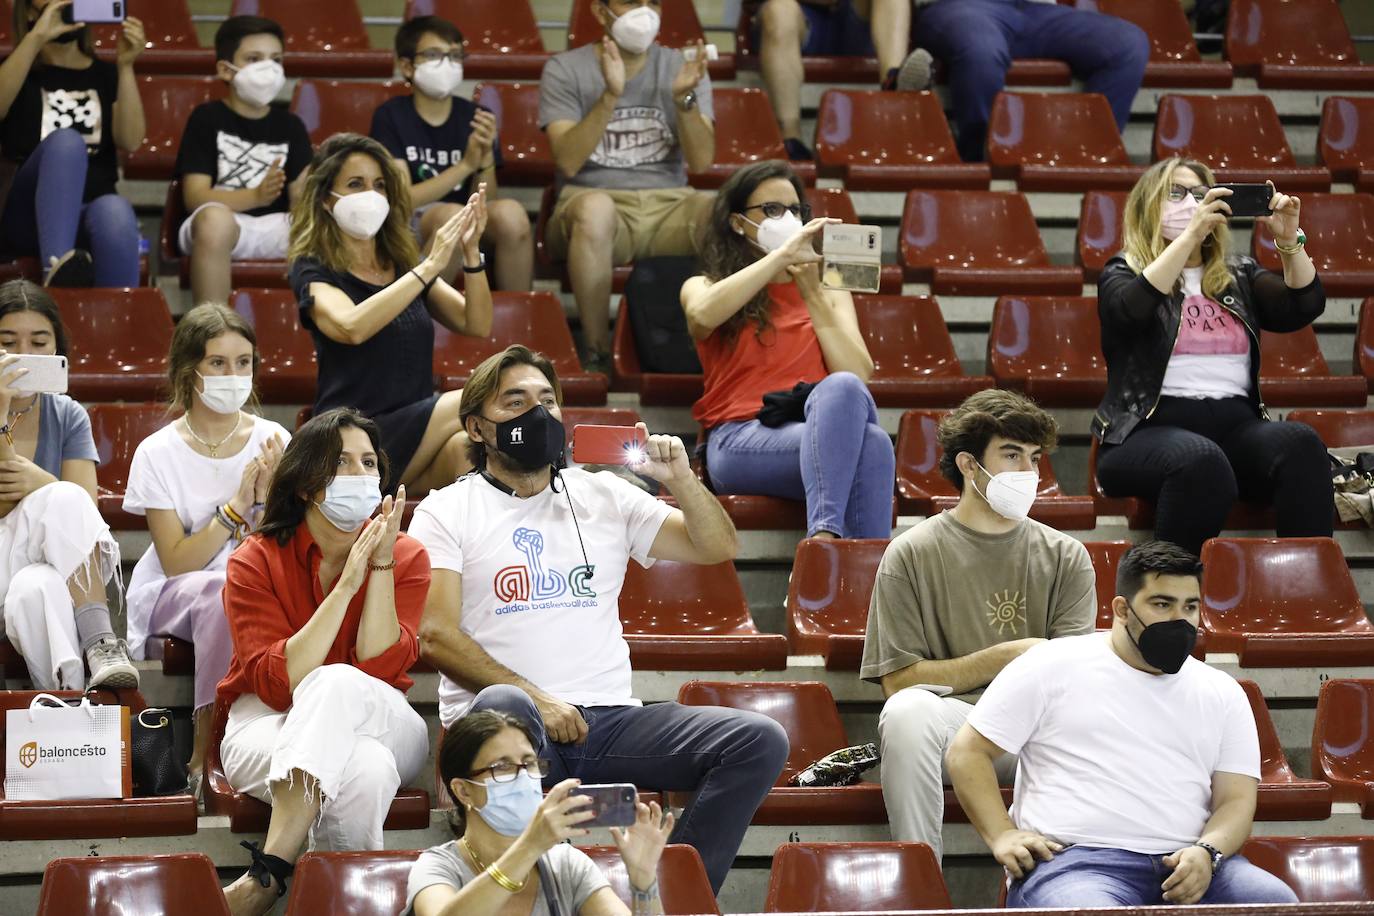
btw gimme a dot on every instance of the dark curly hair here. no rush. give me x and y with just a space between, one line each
988 413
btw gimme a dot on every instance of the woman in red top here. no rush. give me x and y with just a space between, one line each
763 323
323 607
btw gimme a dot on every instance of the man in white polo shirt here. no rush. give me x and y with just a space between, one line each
1138 764
528 562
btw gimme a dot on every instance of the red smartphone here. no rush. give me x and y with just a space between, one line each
614 804
608 444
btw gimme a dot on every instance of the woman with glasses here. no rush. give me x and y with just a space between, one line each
764 325
1182 423
323 606
511 854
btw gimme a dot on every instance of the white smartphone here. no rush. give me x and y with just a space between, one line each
98 11
46 375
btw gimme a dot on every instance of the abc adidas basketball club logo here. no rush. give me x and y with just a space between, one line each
28 754
534 581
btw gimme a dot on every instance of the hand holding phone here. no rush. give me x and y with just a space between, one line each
1249 200
44 374
613 804
608 444
96 11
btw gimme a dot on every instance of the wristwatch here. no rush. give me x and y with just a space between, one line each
688 102
480 266
1213 852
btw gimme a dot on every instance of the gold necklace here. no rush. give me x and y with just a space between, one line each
212 447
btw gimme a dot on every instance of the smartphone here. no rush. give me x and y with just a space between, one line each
1249 199
851 257
608 444
690 52
47 374
95 11
613 803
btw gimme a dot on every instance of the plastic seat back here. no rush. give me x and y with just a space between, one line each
1049 347
356 883
827 877
119 341
683 886
685 599
488 26
829 591
1319 869
167 104
1106 557
1345 140
1099 230
1224 131
1052 129
105 885
882 129
330 107
1338 428
1343 741
1274 766
746 132
525 153
907 337
533 319
1340 237
117 430
167 26
1163 21
309 27
1310 33
1293 355
287 371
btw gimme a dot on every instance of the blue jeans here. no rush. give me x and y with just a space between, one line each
44 214
977 39
1086 876
730 758
840 460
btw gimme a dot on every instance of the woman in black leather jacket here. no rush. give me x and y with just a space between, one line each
1182 423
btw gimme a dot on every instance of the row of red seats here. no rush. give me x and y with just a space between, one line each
804 878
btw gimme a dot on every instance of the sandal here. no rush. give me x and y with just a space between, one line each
266 867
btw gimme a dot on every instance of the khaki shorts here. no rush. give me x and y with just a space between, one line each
663 221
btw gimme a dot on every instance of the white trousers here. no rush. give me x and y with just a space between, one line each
44 540
356 735
916 728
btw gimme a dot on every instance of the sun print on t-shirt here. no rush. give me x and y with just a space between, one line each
1006 611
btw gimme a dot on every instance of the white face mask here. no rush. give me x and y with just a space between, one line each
636 30
774 231
1011 493
361 215
350 499
438 78
258 83
225 393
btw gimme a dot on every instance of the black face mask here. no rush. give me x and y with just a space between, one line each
533 440
1165 645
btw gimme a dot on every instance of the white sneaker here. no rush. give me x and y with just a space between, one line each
915 72
110 665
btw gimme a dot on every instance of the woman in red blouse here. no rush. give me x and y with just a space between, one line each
323 607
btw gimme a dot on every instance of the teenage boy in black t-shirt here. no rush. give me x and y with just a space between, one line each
242 161
447 145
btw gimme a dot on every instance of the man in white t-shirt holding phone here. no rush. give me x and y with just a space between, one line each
528 562
1138 763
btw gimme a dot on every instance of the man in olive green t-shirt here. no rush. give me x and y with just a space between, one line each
963 593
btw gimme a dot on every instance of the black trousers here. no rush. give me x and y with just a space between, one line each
1194 458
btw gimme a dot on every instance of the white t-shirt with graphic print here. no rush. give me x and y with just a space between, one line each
529 599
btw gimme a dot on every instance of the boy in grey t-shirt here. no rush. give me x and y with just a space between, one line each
626 117
963 593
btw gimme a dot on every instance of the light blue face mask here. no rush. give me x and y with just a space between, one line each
350 499
511 805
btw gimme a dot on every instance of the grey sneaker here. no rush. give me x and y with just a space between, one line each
110 665
914 74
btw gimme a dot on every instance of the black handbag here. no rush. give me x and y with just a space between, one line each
781 407
157 767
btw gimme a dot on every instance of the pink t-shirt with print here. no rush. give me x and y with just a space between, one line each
1211 357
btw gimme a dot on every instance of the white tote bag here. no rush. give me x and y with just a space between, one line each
54 751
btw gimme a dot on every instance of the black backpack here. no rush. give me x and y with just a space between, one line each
656 318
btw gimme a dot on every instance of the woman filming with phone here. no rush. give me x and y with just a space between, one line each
1182 423
763 323
511 855
63 114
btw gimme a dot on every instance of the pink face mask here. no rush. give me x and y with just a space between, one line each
1175 216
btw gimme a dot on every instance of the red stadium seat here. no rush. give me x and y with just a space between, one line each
683 886
828 596
525 155
117 430
1345 140
1282 795
1338 428
1364 342
319 44
808 713
409 811
286 374
828 877
1050 348
1106 556
837 204
890 141
914 364
680 27
1174 57
1099 231
357 883
1283 602
119 342
1319 869
1294 373
97 818
533 319
243 273
172 45
1238 136
1342 746
330 107
1340 240
977 243
1058 142
501 38
167 104
1294 45
923 490
105 885
677 389
686 617
746 132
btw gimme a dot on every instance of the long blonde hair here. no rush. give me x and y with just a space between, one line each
315 234
1140 230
